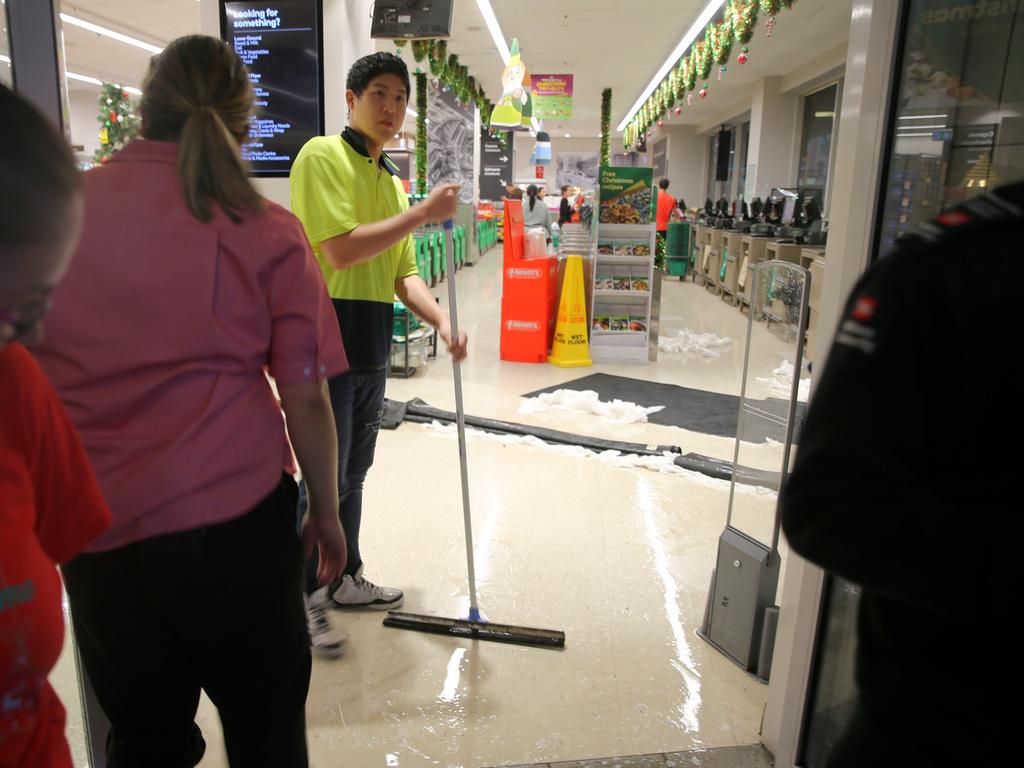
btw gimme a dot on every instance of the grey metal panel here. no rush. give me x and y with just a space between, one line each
37 56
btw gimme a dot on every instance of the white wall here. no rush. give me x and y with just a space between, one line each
523 170
84 108
774 133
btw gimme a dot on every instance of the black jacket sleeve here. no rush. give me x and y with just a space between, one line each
867 499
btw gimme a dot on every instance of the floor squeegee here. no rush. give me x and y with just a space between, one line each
474 626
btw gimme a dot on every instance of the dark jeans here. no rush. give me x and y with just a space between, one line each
158 620
358 403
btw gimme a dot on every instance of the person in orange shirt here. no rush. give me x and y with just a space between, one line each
666 203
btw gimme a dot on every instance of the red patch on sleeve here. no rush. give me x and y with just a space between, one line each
953 218
864 309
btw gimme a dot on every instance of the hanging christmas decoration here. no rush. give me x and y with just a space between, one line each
606 122
703 91
679 111
400 46
742 58
421 133
744 17
721 71
689 99
771 8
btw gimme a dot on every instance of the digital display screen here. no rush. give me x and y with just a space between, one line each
280 42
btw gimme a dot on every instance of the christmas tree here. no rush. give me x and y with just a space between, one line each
118 123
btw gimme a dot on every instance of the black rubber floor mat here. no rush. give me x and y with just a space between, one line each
423 412
394 414
695 409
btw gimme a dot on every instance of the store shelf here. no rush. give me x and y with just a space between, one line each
620 334
638 261
611 293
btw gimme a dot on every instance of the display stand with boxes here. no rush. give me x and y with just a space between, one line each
753 252
529 300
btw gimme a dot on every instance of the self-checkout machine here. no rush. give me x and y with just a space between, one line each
740 617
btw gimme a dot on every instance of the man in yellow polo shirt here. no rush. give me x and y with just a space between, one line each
356 214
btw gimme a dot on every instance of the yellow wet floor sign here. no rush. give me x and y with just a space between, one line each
571 348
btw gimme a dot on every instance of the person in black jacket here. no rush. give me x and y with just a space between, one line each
564 208
905 484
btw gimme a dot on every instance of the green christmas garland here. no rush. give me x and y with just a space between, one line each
421 133
606 122
739 18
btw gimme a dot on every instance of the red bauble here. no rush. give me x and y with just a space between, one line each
104 160
113 116
124 94
679 110
661 123
703 92
742 58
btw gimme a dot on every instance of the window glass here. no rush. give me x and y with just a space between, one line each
6 71
816 143
960 111
959 130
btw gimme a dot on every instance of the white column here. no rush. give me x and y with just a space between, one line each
687 163
771 153
854 201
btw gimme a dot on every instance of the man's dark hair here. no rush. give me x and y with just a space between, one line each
663 183
565 189
374 65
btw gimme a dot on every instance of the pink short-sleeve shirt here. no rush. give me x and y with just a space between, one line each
159 338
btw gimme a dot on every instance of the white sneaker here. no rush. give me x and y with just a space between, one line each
357 592
324 639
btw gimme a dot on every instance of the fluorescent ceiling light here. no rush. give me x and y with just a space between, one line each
824 114
5 59
76 22
411 111
495 29
567 136
916 127
97 81
923 117
691 34
907 135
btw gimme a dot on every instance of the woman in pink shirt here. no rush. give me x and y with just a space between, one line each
186 286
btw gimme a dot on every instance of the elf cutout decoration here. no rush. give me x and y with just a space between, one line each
514 109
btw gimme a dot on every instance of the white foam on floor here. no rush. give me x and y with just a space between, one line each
587 401
705 345
664 463
780 383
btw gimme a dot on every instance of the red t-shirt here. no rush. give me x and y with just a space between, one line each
665 205
50 507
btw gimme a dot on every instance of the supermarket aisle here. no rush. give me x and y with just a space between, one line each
619 558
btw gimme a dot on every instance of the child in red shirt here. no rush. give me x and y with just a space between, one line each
50 503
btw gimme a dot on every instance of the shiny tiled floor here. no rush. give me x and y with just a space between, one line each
619 558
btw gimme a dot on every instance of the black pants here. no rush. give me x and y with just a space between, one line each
216 608
358 403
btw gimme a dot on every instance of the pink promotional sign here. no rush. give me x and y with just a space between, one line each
552 96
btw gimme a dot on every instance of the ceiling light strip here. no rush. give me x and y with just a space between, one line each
97 81
923 117
495 29
88 25
691 34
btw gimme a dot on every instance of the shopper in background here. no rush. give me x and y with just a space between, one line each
51 504
536 213
512 192
666 204
355 211
185 286
565 208
905 484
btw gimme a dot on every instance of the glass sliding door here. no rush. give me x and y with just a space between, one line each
957 130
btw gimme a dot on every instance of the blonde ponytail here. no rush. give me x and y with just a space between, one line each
197 93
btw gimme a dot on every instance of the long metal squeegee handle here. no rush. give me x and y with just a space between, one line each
460 420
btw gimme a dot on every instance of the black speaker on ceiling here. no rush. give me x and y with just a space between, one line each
722 158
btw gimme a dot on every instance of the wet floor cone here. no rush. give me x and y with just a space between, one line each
571 348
